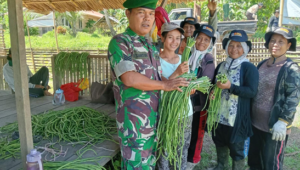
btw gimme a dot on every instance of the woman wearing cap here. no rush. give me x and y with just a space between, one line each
201 63
234 125
190 24
274 106
171 68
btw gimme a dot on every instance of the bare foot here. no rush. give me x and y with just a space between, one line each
46 93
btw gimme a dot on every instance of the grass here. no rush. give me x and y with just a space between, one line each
81 41
292 162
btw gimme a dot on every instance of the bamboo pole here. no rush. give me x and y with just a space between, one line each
163 3
32 58
281 12
55 32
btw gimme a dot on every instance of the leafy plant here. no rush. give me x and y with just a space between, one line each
85 30
61 30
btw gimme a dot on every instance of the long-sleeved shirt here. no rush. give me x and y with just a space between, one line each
253 9
273 23
8 74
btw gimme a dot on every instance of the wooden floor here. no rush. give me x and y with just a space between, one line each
8 114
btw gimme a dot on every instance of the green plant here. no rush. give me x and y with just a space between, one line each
61 30
95 35
86 30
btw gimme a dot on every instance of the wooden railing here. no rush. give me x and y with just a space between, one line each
258 52
98 71
43 57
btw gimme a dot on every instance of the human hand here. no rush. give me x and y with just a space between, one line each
212 95
182 68
193 91
226 85
279 131
212 6
174 84
39 86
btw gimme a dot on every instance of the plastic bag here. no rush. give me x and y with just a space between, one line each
71 92
83 83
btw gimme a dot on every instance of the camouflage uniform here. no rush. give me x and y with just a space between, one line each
136 109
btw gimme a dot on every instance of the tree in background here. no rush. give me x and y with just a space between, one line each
90 25
238 8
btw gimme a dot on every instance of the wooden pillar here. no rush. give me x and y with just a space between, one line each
55 32
15 13
32 58
281 12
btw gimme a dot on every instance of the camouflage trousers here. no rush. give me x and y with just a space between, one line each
138 154
164 164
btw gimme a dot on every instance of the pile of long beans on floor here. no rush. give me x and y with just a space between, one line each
214 105
78 124
78 164
174 111
186 52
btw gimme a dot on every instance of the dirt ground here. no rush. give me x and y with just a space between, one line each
292 151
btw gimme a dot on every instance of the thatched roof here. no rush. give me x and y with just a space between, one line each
101 23
46 6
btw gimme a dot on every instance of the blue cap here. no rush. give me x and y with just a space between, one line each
239 36
207 30
286 33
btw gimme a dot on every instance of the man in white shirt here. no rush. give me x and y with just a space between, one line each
251 12
37 83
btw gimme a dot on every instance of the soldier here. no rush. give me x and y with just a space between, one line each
137 83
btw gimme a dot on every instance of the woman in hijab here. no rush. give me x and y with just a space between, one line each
274 106
201 63
234 125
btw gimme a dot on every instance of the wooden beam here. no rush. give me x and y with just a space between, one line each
16 24
281 12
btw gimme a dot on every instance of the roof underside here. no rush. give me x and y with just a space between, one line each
46 6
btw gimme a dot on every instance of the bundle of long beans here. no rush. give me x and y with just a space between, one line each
73 62
215 103
186 52
174 111
75 125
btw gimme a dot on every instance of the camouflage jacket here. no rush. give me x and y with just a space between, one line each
287 93
136 109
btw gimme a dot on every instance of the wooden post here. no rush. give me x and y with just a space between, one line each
281 12
15 13
32 58
55 32
163 3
